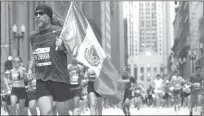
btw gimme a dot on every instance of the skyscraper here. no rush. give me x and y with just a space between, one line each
150 28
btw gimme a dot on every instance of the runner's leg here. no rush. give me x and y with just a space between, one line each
13 99
76 103
44 97
92 102
99 107
33 107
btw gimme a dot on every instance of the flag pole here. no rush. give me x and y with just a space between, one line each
65 22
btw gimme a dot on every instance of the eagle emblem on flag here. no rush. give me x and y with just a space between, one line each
91 56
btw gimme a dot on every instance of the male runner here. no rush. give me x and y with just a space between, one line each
95 99
176 84
150 92
158 90
76 74
138 96
129 82
50 64
196 81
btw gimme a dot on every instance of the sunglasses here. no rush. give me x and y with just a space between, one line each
40 13
16 61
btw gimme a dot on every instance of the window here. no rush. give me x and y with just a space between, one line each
155 70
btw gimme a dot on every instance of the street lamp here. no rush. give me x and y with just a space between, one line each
201 48
181 63
192 56
18 36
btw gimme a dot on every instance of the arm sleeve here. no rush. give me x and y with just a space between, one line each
81 71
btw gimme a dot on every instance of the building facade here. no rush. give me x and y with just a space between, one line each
149 38
188 36
182 39
20 14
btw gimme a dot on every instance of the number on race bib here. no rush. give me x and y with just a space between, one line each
42 56
74 80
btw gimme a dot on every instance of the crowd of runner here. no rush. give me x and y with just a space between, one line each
45 84
18 92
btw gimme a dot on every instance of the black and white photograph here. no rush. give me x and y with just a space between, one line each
102 57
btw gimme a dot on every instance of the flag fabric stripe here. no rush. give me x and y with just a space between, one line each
77 32
80 18
113 91
74 28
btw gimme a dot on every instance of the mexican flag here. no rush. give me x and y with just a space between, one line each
81 42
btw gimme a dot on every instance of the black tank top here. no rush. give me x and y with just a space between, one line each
49 63
124 77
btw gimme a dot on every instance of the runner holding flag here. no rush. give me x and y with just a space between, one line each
50 65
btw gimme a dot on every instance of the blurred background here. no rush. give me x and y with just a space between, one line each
145 37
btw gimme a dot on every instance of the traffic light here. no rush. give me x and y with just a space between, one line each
8 65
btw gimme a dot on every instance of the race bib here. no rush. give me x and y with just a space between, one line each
187 90
42 56
197 86
137 91
15 77
33 84
92 77
177 87
74 80
171 88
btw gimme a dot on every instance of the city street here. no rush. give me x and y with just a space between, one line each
147 111
141 52
142 111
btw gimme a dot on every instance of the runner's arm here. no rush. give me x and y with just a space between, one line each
171 81
86 76
81 72
189 81
30 67
32 62
6 81
124 81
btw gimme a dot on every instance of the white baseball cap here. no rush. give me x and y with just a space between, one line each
7 72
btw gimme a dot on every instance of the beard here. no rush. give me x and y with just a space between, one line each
40 24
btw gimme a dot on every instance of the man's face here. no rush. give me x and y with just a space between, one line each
74 62
198 71
41 19
157 76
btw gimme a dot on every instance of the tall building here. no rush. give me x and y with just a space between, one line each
150 35
125 42
148 26
188 28
182 39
